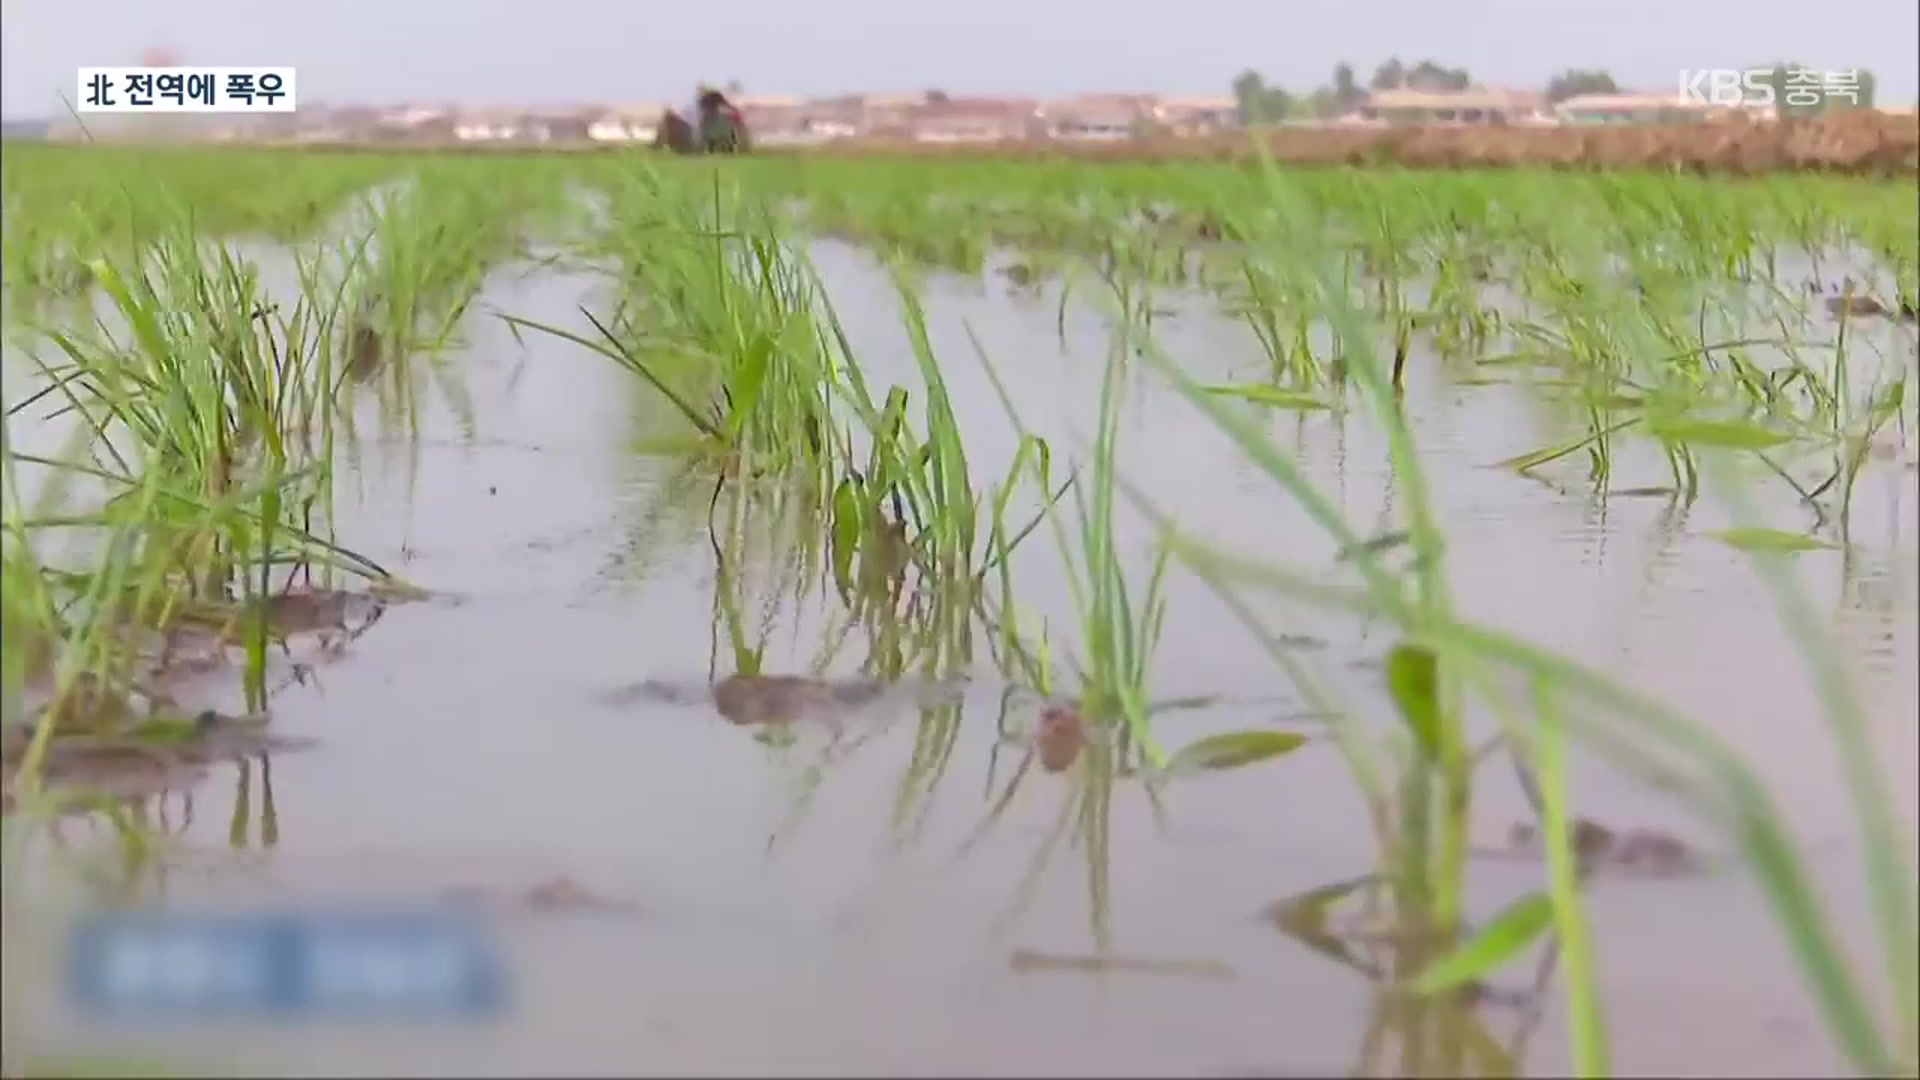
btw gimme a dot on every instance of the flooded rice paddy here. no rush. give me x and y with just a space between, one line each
919 856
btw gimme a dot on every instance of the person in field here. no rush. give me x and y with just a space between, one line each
675 133
721 128
712 126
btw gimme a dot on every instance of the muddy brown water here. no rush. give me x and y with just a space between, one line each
792 916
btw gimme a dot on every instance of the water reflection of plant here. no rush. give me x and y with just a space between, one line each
1446 1034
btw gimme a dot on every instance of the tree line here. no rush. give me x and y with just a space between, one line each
1263 102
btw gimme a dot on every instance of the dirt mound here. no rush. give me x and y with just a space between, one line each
1861 141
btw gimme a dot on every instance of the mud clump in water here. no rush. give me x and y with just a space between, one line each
1061 736
1640 851
758 700
302 611
106 741
558 895
363 352
1856 306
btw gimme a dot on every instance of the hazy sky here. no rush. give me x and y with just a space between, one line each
554 51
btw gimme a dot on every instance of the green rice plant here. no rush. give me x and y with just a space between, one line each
210 393
409 277
1445 656
719 318
953 534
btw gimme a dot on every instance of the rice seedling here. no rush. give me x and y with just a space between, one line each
197 480
1730 344
1442 648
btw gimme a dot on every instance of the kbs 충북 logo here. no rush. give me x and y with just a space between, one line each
1760 88
186 90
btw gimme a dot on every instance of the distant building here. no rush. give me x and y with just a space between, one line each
561 124
1472 106
626 123
1629 108
489 125
775 116
826 119
1198 115
410 123
891 114
1101 117
327 124
973 120
842 114
769 102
